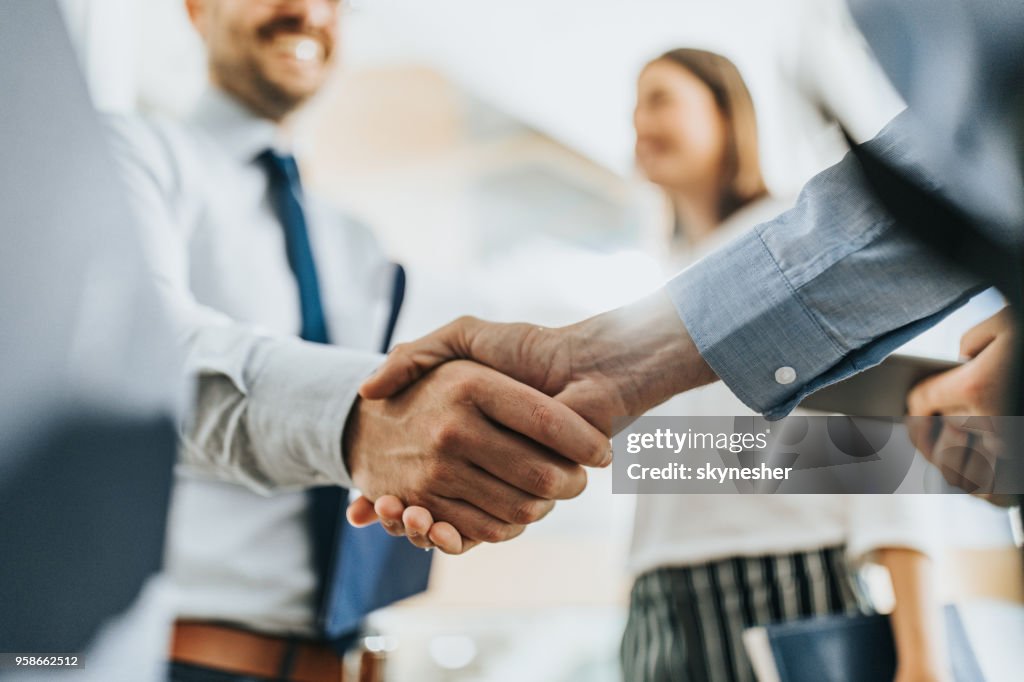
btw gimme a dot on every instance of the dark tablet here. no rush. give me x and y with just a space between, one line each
877 392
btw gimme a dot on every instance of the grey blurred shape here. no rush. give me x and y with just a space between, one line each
960 66
88 378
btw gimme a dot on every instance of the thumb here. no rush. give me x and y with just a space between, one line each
398 371
407 362
361 512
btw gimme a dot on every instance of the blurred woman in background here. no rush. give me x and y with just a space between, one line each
709 566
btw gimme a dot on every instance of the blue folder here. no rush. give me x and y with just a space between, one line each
854 649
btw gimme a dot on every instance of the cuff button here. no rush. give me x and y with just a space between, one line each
785 375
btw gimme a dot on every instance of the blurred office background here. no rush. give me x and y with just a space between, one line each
490 146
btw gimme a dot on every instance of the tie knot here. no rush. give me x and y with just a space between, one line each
280 166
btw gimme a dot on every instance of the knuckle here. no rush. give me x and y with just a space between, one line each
529 511
400 349
974 389
492 532
436 473
546 480
515 531
545 421
447 435
464 385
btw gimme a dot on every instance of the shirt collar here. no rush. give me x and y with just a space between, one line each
240 131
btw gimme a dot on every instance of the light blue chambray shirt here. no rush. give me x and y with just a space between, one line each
823 291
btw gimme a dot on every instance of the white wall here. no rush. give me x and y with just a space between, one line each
566 67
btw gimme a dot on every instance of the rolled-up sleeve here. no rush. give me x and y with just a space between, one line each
269 410
823 291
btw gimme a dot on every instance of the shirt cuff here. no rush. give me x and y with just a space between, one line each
299 403
751 327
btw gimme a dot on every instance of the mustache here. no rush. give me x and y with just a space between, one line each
295 25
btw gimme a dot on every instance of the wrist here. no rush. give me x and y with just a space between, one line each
647 352
352 436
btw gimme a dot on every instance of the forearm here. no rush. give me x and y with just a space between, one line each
646 349
823 291
270 412
916 617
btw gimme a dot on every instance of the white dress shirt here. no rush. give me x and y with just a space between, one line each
271 408
680 530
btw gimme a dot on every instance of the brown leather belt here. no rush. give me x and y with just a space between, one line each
247 653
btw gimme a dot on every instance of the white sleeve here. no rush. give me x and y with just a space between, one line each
269 410
892 521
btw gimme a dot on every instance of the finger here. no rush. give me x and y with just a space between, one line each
519 462
922 432
418 521
471 522
448 540
940 394
542 419
978 465
389 509
498 498
407 362
981 335
950 456
360 512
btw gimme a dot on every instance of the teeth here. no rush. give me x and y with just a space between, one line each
307 50
302 48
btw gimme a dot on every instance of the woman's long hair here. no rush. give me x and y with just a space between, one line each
741 180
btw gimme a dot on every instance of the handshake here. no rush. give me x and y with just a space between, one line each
474 431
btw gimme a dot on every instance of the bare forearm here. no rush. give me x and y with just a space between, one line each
916 618
648 351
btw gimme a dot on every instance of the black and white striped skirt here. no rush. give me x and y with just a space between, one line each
686 623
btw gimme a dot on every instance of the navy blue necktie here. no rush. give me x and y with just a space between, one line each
358 570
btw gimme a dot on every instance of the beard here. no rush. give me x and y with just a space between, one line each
243 71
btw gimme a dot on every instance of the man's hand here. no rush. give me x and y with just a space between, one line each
947 411
480 450
620 363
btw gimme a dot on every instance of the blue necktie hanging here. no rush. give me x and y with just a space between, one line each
359 570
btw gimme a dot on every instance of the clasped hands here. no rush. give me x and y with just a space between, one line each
472 432
452 452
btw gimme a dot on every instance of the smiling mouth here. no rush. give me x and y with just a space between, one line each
302 48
